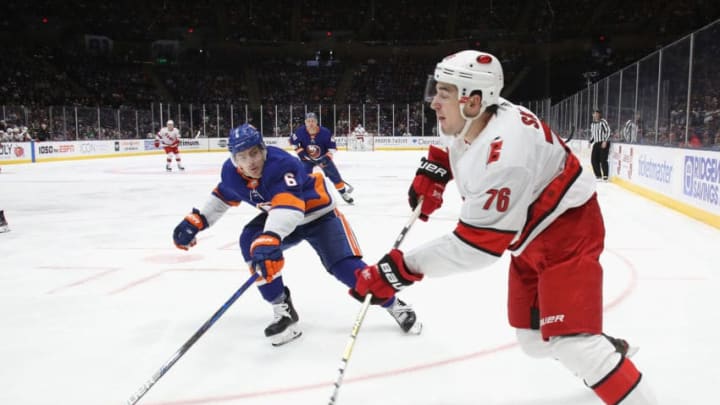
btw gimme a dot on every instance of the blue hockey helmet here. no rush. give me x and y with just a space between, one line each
244 137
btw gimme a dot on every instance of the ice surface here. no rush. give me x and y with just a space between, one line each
94 298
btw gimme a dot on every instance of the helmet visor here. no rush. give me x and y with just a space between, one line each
430 89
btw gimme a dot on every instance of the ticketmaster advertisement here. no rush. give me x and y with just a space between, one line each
686 175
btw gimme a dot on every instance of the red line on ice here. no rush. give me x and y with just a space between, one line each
82 281
405 370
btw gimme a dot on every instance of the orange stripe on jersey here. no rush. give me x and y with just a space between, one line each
324 197
219 195
488 240
287 200
354 245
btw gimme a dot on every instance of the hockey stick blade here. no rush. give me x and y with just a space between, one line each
572 133
363 311
194 338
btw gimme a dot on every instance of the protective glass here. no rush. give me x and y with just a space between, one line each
430 89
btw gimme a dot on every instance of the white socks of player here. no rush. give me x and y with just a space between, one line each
605 369
284 327
601 361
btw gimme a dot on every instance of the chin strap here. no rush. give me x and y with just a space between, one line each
466 127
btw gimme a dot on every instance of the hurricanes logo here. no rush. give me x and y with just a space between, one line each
313 151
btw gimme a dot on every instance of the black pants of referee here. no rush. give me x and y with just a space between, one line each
599 159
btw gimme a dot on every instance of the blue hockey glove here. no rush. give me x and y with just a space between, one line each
267 257
184 233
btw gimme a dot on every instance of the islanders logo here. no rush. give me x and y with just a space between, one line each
313 151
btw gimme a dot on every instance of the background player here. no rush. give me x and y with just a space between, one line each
359 132
169 139
315 146
524 191
3 223
295 206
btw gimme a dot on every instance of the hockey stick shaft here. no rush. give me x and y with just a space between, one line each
185 347
363 311
572 133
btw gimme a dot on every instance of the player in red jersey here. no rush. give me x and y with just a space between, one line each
169 139
524 191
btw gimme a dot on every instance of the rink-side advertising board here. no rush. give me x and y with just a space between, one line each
687 180
16 152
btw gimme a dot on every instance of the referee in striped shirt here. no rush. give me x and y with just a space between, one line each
600 140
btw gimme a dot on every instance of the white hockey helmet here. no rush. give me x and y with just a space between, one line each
469 71
170 122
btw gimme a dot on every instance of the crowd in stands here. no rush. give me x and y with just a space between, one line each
58 86
204 86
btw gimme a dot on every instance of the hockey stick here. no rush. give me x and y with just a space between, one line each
363 311
572 133
185 347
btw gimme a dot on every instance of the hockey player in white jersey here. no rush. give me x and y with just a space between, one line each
169 139
359 132
523 190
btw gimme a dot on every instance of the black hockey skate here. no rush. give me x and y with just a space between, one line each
347 197
404 315
345 193
284 327
168 168
3 223
622 346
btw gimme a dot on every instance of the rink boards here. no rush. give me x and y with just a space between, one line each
687 180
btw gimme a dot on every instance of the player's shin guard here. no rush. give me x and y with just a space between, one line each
608 372
532 343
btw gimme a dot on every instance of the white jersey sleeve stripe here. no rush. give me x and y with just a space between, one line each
490 241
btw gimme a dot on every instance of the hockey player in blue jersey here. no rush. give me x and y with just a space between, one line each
295 206
315 146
